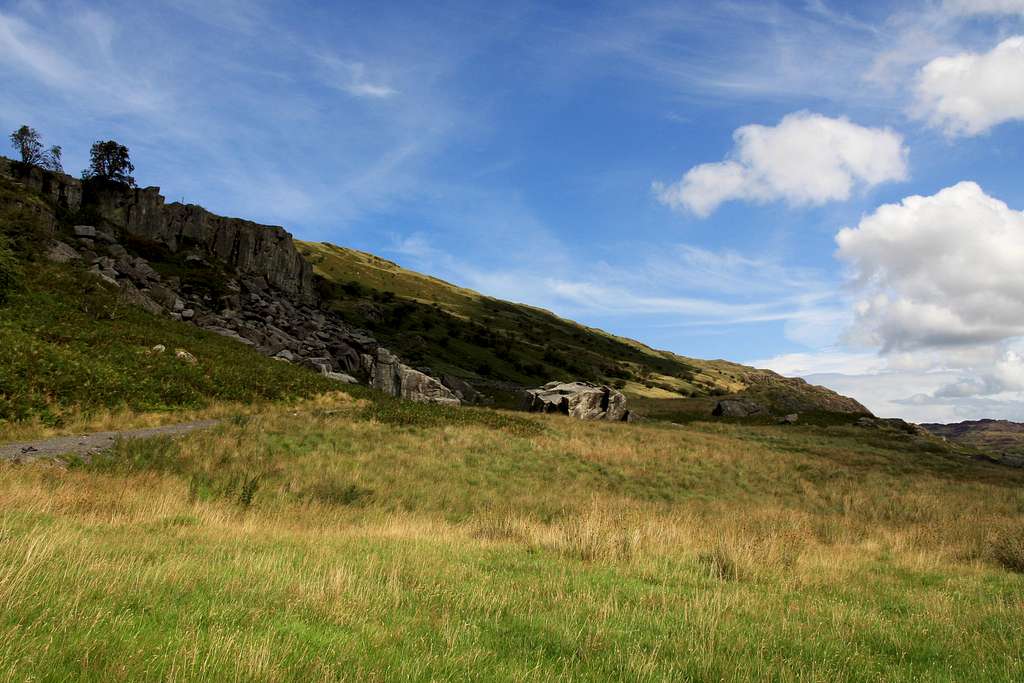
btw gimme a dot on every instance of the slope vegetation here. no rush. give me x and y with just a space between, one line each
489 342
339 539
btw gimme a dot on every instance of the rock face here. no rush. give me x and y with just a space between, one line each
386 373
582 400
268 299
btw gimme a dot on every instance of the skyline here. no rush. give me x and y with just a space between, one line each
824 189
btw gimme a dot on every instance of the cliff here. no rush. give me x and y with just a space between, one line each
249 248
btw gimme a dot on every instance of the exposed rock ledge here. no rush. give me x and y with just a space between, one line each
268 301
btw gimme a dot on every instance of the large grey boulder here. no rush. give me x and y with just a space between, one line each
582 400
737 407
462 389
389 375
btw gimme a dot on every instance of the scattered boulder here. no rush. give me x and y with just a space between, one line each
737 407
60 252
462 389
135 297
158 349
389 375
342 377
790 419
185 357
85 231
582 400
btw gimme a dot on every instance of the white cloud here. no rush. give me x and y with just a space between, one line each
969 93
351 77
938 271
973 7
806 159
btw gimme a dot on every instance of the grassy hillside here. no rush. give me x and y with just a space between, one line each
343 540
459 331
999 439
71 347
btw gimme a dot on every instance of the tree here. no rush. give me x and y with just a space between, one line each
29 145
109 162
52 160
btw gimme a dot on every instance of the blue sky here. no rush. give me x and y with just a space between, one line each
677 172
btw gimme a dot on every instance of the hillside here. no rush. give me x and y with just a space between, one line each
493 343
1001 439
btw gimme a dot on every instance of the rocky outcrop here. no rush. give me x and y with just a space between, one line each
268 299
582 400
386 373
250 249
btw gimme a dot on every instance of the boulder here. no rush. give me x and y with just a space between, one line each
230 334
462 389
389 375
342 377
135 297
185 357
790 419
737 407
582 400
85 231
59 252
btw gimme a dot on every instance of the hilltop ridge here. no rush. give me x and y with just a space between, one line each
355 317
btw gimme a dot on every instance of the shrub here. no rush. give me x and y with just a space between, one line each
10 270
1008 550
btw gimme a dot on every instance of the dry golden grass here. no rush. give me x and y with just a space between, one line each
370 551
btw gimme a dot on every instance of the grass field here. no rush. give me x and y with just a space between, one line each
344 539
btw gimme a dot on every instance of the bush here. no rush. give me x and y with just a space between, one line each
10 270
1008 550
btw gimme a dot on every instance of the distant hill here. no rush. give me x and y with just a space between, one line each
497 344
1000 438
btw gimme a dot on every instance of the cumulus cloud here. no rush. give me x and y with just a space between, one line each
806 159
969 93
938 271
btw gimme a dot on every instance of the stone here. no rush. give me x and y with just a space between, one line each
230 334
86 243
185 357
389 375
105 237
164 296
790 419
117 251
158 349
285 354
107 276
188 314
342 377
462 389
135 297
84 231
145 270
322 365
582 400
59 252
737 407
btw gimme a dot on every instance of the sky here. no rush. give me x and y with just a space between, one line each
828 189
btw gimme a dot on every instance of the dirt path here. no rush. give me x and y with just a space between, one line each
87 444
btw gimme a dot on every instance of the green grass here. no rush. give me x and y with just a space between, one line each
371 548
69 343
